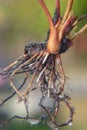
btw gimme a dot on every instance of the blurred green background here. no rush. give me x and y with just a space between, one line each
22 21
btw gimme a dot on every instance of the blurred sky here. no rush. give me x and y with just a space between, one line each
22 21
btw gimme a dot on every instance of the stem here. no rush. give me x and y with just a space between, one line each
47 14
58 7
52 44
68 9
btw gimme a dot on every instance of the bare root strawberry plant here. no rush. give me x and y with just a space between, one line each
42 65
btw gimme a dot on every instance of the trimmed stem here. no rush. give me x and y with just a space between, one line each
58 7
83 29
52 43
68 9
47 13
82 17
